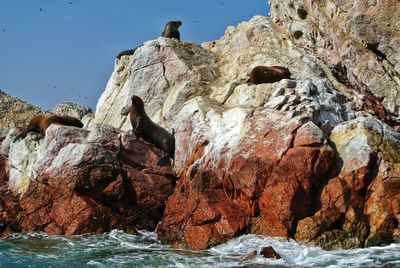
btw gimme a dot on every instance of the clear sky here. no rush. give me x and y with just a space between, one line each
64 50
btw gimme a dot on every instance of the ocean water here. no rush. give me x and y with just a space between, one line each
118 249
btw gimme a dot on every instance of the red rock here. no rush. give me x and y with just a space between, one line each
203 197
311 227
287 196
382 194
107 184
396 207
149 193
335 194
359 179
265 186
9 204
200 237
270 253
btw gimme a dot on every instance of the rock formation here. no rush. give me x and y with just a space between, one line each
17 113
315 157
14 112
358 42
71 109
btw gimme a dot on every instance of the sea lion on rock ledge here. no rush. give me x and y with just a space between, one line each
144 127
40 123
171 30
126 53
268 74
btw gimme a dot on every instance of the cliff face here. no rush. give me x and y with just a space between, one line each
309 157
315 157
14 112
357 41
78 181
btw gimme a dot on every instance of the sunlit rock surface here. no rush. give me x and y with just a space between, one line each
91 180
313 157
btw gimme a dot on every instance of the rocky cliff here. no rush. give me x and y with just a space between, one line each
315 157
14 112
17 113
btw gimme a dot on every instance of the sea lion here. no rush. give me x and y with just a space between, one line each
40 123
145 128
268 74
126 52
171 30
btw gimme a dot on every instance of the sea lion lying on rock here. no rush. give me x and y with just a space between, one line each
40 123
268 74
126 52
145 128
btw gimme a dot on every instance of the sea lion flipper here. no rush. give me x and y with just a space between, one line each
137 132
20 136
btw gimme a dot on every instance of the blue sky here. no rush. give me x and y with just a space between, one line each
63 50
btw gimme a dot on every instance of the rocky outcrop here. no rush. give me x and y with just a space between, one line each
267 252
71 109
14 112
356 206
357 43
314 157
261 158
17 113
9 203
92 180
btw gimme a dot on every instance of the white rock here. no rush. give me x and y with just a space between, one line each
276 102
22 158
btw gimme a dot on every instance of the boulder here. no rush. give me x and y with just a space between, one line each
71 109
357 206
77 181
14 112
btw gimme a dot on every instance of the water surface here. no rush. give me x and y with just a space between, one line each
118 249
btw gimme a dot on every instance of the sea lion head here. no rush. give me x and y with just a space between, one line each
177 23
286 73
174 24
137 102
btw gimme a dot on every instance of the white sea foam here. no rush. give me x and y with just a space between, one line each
119 249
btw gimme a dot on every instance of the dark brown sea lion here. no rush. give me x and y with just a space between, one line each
40 123
171 30
268 74
145 128
126 52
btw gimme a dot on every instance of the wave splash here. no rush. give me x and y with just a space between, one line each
118 249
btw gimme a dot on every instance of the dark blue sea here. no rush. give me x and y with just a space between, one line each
118 249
